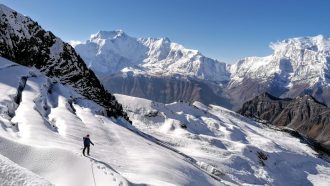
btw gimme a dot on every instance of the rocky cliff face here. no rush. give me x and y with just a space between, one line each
303 114
23 41
166 89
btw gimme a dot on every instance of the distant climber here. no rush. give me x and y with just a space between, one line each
87 143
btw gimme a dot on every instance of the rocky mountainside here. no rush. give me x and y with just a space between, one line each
297 67
303 114
23 41
166 89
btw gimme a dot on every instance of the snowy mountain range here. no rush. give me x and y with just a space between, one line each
298 66
109 52
153 68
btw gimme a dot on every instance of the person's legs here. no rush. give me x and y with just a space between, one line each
88 150
84 150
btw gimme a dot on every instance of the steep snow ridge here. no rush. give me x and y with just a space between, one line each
44 138
23 41
109 52
241 149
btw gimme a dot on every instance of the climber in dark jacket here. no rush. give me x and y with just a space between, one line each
87 143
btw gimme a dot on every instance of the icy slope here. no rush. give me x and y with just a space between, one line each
109 52
42 125
225 142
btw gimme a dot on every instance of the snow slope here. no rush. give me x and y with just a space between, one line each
109 52
11 174
222 141
42 125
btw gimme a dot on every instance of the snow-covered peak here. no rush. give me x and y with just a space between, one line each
109 52
302 57
162 40
317 43
298 66
108 35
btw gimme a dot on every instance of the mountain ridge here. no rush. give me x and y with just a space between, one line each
25 42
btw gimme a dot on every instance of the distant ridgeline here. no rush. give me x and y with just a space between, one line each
23 41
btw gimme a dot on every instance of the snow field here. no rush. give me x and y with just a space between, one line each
42 134
226 143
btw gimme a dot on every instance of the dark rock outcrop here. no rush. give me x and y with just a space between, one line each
23 41
304 114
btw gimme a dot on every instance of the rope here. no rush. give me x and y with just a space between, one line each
93 173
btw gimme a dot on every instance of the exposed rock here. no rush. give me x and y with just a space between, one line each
167 89
304 114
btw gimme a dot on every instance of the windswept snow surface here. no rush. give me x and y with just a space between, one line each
42 125
225 142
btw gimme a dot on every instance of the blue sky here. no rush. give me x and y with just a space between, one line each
223 29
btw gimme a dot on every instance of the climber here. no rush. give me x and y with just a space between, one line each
87 143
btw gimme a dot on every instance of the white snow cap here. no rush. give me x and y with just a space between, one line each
108 34
317 43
